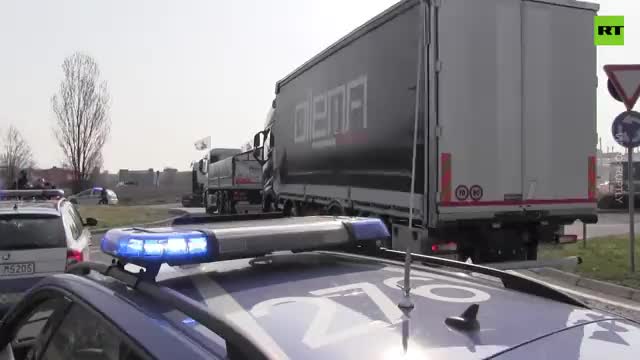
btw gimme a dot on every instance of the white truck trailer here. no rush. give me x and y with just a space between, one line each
233 177
488 108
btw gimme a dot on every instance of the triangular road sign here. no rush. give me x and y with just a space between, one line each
626 80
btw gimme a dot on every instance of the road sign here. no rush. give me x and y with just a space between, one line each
612 90
476 192
462 192
626 81
626 129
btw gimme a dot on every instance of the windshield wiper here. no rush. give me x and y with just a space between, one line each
509 280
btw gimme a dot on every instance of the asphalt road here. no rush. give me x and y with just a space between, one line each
608 224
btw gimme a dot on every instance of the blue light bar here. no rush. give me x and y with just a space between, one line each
203 243
172 247
369 229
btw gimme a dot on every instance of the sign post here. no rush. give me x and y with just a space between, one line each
624 84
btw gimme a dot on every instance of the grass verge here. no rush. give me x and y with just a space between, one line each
604 258
116 216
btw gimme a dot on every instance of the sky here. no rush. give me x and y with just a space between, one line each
180 70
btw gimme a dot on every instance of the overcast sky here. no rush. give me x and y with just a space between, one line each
178 70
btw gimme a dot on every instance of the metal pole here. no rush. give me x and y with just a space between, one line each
584 235
632 233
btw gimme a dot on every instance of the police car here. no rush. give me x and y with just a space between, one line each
287 289
40 234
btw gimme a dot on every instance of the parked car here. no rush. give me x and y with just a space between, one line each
41 234
92 197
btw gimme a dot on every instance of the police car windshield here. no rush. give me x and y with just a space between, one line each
22 232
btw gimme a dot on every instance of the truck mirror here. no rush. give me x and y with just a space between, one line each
257 139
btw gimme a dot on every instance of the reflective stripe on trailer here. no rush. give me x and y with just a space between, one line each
591 177
516 202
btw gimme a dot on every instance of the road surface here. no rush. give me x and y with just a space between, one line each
608 224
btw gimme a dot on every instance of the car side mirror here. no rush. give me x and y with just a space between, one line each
91 222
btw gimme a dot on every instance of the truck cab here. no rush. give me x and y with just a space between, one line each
264 147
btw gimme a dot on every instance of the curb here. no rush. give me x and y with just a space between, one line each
104 230
595 285
178 211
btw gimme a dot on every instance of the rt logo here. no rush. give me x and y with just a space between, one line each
609 30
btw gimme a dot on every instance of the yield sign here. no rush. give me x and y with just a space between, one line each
626 80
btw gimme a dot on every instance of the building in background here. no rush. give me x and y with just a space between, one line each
136 177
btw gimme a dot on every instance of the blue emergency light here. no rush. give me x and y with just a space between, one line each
185 246
140 246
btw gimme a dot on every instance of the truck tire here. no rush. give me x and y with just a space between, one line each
267 204
207 207
335 209
291 208
231 204
222 203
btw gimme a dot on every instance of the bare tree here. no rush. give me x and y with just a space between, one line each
81 108
247 146
16 155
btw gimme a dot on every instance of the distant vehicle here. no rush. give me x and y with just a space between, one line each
37 238
199 170
233 177
127 183
93 196
236 290
615 192
464 129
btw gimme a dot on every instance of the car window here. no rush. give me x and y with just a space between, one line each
32 326
77 219
31 231
70 221
85 335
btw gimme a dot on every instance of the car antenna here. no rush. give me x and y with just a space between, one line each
406 305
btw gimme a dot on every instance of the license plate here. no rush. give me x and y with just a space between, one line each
17 269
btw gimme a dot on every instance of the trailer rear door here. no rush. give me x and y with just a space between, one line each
479 103
559 113
516 106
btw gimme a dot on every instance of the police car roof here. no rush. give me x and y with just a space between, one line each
44 207
322 305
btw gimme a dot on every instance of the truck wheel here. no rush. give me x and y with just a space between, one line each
532 251
207 207
267 205
291 208
231 205
336 210
222 203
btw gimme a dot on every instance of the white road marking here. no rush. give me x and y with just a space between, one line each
216 298
584 295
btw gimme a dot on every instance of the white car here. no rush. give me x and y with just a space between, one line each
37 238
92 197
